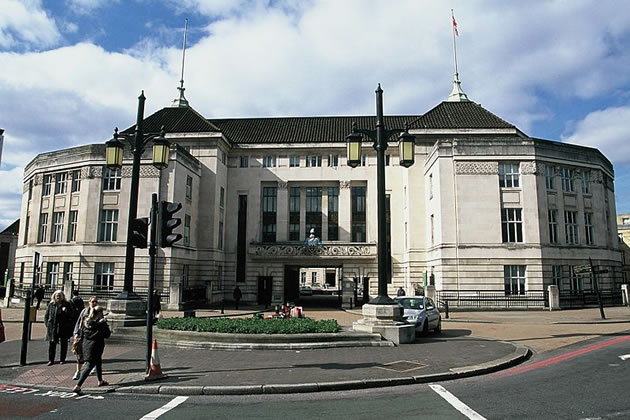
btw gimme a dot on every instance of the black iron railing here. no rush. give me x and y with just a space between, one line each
101 294
581 299
194 294
478 299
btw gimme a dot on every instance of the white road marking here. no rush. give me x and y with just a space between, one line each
456 402
625 357
165 408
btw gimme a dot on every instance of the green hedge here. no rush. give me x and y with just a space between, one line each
250 325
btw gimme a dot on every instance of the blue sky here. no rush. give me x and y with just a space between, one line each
72 69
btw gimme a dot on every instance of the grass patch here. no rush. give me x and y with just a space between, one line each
250 325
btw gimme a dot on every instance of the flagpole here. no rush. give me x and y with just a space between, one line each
454 44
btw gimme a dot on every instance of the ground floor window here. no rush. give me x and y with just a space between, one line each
556 273
575 281
514 277
104 276
52 279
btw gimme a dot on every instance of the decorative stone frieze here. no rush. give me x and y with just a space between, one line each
95 172
344 184
37 179
299 250
85 172
477 168
148 171
283 185
532 168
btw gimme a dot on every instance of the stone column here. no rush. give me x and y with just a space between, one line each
554 297
345 211
175 296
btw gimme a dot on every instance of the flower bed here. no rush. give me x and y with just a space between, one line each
250 325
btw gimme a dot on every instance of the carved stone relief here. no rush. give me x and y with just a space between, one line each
476 168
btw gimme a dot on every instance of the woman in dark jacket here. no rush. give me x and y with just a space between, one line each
94 331
59 321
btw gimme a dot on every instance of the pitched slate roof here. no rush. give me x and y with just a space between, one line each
460 115
12 229
175 120
300 129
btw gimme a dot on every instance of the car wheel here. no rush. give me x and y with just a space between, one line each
438 329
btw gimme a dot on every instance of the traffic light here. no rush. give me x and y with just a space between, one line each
140 232
169 223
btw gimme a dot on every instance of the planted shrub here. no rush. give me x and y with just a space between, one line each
250 325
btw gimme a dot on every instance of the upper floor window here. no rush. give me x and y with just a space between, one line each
72 225
511 225
294 214
108 227
222 156
333 160
430 187
509 175
550 175
270 195
189 186
57 227
244 161
314 161
187 230
294 161
333 213
571 227
30 190
567 175
586 181
61 183
111 179
553 226
46 183
43 228
220 239
76 180
222 197
358 231
269 161
588 228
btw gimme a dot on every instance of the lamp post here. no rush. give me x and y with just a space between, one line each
114 155
381 136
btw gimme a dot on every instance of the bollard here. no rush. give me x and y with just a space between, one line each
25 327
222 306
446 308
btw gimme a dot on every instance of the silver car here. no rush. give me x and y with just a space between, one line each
422 312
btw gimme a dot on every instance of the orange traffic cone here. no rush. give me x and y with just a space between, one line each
155 371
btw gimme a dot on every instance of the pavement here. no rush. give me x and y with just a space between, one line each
471 343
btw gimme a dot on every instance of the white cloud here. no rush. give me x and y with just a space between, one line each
23 23
606 130
87 6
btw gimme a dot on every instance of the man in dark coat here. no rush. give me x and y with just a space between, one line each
39 295
59 321
237 295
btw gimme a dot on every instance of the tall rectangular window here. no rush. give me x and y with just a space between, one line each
294 214
294 161
104 276
185 276
269 161
30 190
313 161
76 180
550 175
42 235
67 272
270 198
333 160
430 187
57 227
187 230
314 210
61 183
108 227
244 162
26 228
567 175
46 184
509 175
432 229
358 214
511 225
553 226
111 179
73 220
514 278
363 159
222 198
189 187
588 228
571 227
52 275
220 240
586 181
333 213
576 282
556 274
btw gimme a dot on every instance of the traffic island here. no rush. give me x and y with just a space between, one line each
387 321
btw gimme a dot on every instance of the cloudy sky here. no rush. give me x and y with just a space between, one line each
71 70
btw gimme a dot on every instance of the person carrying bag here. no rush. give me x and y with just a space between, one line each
94 331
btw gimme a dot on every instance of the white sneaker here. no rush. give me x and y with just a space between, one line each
76 376
93 372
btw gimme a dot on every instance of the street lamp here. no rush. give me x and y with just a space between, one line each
380 137
114 153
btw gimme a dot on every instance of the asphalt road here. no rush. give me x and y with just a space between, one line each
589 380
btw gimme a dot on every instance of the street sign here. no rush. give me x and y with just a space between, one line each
582 269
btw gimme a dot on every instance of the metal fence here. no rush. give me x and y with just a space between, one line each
581 299
194 294
477 299
101 294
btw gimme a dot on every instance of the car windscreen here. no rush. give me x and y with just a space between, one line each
411 303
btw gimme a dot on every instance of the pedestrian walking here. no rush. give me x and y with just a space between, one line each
237 295
77 337
39 294
157 305
59 321
400 292
77 302
94 330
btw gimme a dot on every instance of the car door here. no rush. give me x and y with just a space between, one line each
433 315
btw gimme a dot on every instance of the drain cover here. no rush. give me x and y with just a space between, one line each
402 366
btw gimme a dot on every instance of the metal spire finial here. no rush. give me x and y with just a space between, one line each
457 94
182 101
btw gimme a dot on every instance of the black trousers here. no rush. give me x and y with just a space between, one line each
52 348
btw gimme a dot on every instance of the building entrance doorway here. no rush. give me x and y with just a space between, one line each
313 286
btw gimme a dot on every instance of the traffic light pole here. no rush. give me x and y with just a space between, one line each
152 252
